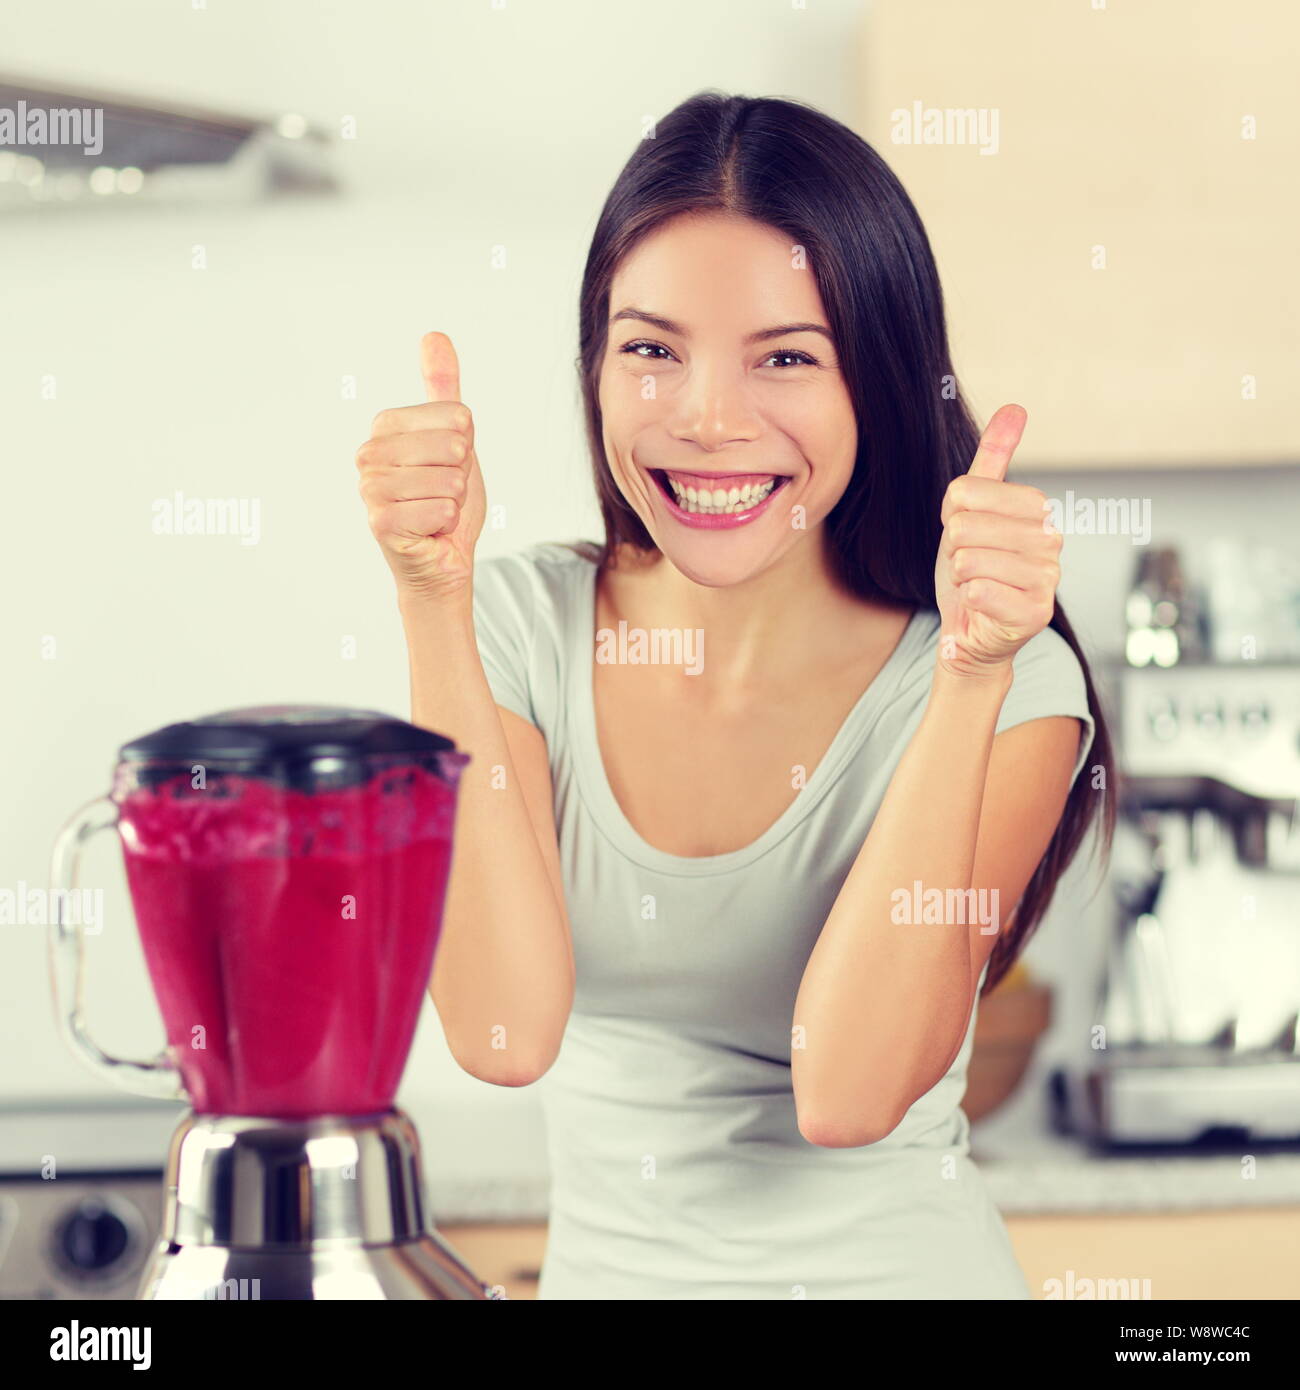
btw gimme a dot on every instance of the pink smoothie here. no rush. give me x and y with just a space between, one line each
290 937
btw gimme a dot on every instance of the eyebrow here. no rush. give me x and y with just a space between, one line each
668 326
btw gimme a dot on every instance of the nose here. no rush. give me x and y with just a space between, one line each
713 409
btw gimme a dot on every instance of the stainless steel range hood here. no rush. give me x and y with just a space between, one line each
65 146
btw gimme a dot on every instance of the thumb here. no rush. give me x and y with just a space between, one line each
998 442
439 367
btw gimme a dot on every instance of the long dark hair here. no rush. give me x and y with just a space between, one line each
787 165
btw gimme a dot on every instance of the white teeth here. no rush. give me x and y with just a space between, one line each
720 501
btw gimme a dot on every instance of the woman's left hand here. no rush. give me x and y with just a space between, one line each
998 565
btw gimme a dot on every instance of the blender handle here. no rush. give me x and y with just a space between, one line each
159 1077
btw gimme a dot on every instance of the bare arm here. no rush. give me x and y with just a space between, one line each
886 998
885 1004
503 975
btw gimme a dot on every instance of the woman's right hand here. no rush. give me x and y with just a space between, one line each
421 482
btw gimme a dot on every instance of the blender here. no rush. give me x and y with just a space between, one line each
287 867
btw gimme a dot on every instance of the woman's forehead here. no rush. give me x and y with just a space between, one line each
717 271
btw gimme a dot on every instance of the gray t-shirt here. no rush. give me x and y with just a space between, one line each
677 1166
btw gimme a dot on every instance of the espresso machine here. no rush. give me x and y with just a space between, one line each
287 867
1198 1029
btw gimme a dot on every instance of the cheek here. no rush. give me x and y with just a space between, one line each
630 395
618 430
826 433
614 396
626 410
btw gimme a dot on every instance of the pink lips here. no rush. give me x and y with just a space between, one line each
722 522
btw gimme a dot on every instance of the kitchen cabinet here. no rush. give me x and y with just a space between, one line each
1121 261
1231 1254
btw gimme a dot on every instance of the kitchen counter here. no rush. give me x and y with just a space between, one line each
1069 1177
1031 1170
1028 1171
485 1159
1071 1181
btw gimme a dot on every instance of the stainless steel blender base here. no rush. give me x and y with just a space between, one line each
326 1208
423 1268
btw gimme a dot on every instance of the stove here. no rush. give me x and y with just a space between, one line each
81 1196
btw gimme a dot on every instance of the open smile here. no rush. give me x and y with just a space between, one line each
716 500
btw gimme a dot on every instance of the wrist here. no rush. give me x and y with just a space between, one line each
987 687
452 615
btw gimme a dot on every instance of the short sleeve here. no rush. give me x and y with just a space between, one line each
1048 680
505 609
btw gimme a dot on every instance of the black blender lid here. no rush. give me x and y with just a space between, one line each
265 735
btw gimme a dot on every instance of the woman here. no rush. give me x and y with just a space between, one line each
757 784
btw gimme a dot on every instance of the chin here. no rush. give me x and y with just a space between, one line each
709 571
718 561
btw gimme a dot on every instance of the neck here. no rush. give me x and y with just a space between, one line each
788 617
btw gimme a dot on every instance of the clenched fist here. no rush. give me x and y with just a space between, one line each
997 569
421 482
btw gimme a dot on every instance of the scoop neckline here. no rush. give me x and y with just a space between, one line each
593 780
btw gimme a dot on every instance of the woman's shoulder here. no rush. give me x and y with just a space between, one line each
542 559
1048 678
1046 657
532 594
524 601
536 573
1047 662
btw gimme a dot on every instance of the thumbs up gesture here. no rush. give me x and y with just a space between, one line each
421 482
997 569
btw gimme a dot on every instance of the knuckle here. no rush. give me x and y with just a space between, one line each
386 422
370 454
462 416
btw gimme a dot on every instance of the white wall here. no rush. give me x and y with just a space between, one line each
476 127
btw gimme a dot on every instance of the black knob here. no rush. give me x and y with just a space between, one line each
92 1238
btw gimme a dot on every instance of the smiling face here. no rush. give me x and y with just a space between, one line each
727 423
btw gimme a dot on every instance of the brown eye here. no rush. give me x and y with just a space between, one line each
802 359
634 348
